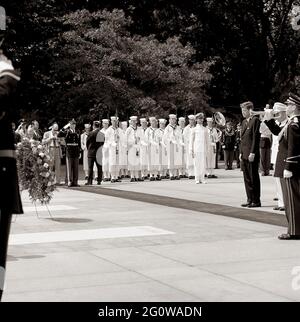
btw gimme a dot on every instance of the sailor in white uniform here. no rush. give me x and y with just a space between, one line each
186 139
105 152
153 149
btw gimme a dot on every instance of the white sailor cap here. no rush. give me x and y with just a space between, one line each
209 119
191 117
133 118
279 107
181 119
162 121
114 118
172 116
152 118
105 121
142 120
87 126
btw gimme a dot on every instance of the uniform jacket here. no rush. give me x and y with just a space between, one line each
72 140
288 157
10 200
228 140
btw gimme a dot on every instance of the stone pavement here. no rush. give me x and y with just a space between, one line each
103 248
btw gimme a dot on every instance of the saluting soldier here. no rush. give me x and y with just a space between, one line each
288 164
186 137
10 201
72 139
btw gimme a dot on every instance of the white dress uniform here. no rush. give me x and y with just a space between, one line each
172 139
212 149
105 154
153 151
123 151
114 139
163 155
144 153
133 147
189 158
181 126
200 145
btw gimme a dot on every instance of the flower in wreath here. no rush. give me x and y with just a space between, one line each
34 171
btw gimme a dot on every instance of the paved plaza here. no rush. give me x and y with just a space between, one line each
105 245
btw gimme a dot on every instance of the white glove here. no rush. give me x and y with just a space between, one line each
251 157
287 174
269 115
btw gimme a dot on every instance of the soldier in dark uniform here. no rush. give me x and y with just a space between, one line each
72 139
228 141
288 163
94 141
10 201
249 156
237 145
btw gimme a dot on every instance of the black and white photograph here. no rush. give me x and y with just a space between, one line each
149 153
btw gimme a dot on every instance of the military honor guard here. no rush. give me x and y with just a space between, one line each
124 152
265 148
83 137
72 140
114 139
105 152
163 156
189 161
53 144
212 150
144 149
94 143
228 143
10 200
199 146
172 139
181 127
153 149
287 163
279 111
133 146
249 149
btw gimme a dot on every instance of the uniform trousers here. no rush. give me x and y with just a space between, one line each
55 163
228 157
5 222
265 155
279 192
291 197
199 166
72 170
251 180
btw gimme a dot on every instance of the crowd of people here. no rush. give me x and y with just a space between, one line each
139 149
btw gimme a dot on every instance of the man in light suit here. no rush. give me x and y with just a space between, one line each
53 143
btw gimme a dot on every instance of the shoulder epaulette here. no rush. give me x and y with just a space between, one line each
11 74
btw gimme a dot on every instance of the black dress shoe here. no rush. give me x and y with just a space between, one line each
177 178
289 237
158 178
172 178
214 176
132 180
113 180
254 205
281 209
152 179
76 185
99 183
88 184
247 204
275 199
86 177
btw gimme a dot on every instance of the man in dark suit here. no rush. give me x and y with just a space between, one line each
10 200
249 155
94 142
288 164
